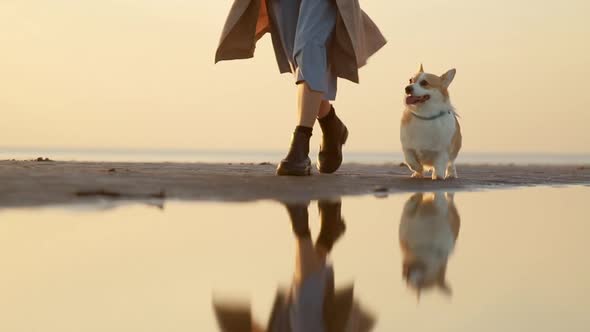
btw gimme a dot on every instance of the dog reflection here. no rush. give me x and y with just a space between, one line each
312 303
428 231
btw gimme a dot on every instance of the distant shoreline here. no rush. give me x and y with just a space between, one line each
40 183
226 156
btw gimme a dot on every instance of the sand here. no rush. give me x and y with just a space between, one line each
35 183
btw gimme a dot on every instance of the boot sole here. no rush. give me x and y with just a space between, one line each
294 172
286 171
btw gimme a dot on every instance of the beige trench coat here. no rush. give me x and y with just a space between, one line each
356 37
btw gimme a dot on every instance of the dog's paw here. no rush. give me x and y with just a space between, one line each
417 175
437 178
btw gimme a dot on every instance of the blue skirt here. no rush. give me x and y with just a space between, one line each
305 28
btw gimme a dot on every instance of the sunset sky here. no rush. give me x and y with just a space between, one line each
140 74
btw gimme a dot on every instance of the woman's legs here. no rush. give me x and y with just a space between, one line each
311 258
307 261
324 108
308 104
311 105
305 40
332 226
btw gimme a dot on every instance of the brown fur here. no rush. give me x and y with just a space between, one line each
406 118
426 159
434 82
428 207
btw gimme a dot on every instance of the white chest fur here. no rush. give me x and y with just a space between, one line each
428 135
428 232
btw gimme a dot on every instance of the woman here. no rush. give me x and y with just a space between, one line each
312 303
318 41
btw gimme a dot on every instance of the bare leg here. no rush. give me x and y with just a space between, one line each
297 162
310 258
307 260
308 104
324 108
413 163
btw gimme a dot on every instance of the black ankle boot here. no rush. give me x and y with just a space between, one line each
297 162
333 225
335 135
299 219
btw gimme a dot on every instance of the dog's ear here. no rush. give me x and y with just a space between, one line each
421 68
448 77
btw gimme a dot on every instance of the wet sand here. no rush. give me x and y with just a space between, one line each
34 183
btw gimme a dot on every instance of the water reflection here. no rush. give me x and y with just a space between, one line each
135 268
428 231
312 303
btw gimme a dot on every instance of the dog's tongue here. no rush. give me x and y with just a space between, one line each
411 100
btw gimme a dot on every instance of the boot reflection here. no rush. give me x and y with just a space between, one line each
428 231
312 303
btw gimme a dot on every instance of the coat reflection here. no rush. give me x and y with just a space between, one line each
428 231
312 303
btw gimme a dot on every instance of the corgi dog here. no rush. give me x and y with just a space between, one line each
430 132
428 231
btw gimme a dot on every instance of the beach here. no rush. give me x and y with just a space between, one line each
35 183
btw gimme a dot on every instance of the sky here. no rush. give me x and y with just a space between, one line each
116 74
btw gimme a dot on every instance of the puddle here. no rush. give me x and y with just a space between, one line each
506 260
